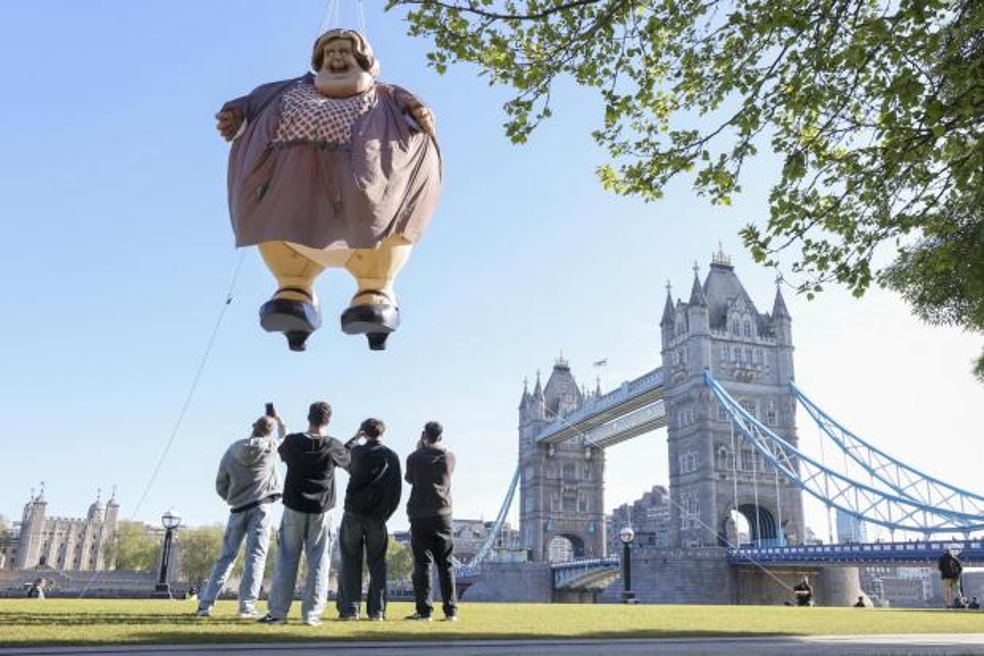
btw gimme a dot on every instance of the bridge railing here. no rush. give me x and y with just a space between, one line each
862 552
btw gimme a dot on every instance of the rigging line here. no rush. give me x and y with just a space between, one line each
362 19
324 18
187 402
336 14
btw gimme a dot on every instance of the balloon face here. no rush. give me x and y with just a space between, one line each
340 75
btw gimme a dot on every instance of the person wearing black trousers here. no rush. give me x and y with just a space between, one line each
373 494
429 470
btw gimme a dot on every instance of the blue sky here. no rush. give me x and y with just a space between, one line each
119 253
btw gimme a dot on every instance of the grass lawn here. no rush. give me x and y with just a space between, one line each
76 622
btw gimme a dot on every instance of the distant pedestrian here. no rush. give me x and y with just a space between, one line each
950 571
803 592
974 604
309 493
373 494
429 470
249 483
860 602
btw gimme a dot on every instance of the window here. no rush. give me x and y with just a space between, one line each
748 328
735 327
569 473
749 407
726 353
722 413
688 462
748 355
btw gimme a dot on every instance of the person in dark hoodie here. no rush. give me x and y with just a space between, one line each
309 493
248 482
950 571
429 470
373 493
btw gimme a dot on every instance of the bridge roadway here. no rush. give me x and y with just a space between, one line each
633 408
858 554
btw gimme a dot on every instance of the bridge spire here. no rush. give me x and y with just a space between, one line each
779 310
697 293
669 313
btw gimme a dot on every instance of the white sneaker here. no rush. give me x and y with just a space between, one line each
313 621
247 614
203 612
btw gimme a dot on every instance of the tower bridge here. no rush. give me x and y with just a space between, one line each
726 395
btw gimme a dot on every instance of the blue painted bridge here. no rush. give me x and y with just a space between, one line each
920 554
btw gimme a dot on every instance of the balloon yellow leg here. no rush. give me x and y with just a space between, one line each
375 270
373 311
294 272
293 310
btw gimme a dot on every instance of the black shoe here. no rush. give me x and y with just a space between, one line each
270 619
296 319
417 617
374 321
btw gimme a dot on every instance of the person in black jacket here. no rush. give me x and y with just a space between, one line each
429 470
309 493
373 493
950 571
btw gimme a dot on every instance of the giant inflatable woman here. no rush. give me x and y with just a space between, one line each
332 169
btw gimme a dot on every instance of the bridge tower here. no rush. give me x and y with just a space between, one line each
561 491
751 354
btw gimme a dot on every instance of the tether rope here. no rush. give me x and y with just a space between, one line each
187 402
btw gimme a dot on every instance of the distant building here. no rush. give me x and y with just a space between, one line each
899 587
649 517
61 543
471 534
849 528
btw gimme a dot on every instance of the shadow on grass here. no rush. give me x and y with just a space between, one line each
262 635
96 619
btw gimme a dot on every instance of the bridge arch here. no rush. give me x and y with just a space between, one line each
563 547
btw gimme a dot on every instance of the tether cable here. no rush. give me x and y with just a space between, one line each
187 402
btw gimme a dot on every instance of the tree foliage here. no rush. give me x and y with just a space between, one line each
875 108
135 548
199 548
399 561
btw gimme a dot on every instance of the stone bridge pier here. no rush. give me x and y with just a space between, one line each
704 576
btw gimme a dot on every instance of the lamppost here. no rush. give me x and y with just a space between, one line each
627 535
170 521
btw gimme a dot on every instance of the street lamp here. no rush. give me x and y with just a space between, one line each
627 535
170 521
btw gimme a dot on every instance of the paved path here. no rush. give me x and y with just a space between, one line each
858 645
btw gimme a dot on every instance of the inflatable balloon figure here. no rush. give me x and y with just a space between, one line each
332 169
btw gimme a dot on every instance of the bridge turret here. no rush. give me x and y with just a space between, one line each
751 353
782 328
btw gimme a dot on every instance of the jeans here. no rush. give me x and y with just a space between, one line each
358 534
432 539
253 525
310 532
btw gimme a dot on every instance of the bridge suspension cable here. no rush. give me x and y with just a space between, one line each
490 538
903 479
882 507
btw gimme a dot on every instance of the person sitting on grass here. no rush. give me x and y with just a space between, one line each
803 592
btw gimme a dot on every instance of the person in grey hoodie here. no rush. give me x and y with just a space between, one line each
249 483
